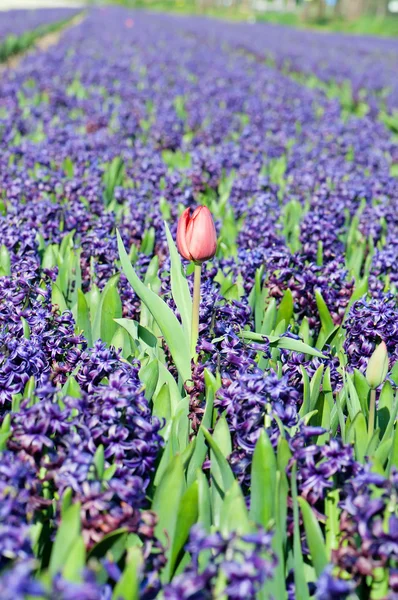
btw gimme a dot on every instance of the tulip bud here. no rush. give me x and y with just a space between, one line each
377 369
196 235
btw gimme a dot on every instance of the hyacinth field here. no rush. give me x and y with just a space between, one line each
251 455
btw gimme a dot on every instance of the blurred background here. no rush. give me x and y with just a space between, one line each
378 17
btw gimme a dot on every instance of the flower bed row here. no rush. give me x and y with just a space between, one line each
19 29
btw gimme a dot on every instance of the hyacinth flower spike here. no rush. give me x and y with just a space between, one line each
197 242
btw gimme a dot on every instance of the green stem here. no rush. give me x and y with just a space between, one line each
195 309
372 413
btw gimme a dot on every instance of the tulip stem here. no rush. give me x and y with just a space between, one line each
372 413
195 308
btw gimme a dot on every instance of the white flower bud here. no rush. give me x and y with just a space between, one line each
377 369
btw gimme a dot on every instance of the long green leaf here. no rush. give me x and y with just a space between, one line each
186 517
105 314
316 542
234 515
179 285
128 586
199 455
299 574
175 337
167 498
285 310
75 562
83 317
58 298
263 481
225 470
326 319
204 501
283 342
67 534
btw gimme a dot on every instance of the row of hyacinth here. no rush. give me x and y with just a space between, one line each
253 470
15 23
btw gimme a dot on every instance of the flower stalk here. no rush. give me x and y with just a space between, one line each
195 308
372 413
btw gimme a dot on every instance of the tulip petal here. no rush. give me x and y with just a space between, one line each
201 236
183 223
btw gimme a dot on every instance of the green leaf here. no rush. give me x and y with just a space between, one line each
220 471
67 534
363 390
5 261
330 338
186 517
179 286
268 324
162 406
298 562
263 481
234 515
305 407
277 585
68 167
57 298
204 501
25 328
225 470
175 394
383 451
83 317
121 341
316 542
138 333
393 459
394 373
99 461
179 436
360 431
148 242
200 452
5 431
298 346
109 308
353 403
385 406
282 342
325 316
113 176
175 337
315 386
93 298
72 388
167 498
75 562
332 528
285 310
105 545
66 501
149 375
128 586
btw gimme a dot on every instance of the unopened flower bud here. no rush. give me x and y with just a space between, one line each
196 235
377 369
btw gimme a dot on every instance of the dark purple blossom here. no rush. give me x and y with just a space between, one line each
251 401
245 562
368 323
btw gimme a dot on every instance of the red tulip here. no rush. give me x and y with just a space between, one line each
196 235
